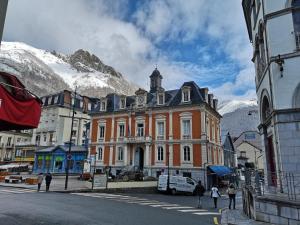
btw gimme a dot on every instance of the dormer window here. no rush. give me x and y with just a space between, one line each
160 99
103 105
186 94
122 103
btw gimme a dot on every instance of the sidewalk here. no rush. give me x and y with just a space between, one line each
236 217
75 185
57 184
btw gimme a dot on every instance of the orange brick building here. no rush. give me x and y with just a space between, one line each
151 129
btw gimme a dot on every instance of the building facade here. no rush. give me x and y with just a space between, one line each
54 159
274 31
229 152
154 130
249 150
10 141
56 119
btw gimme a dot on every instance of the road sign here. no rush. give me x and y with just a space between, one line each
69 157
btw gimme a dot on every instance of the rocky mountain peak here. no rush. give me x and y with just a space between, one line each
83 61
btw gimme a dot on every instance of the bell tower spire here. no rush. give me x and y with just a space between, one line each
155 80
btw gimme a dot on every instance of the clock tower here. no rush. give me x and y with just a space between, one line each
155 79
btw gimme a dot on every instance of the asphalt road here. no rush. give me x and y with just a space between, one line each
27 207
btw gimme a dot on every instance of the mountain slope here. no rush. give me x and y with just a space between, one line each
45 72
238 116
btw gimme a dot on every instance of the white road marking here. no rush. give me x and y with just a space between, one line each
179 207
207 213
148 203
164 205
192 210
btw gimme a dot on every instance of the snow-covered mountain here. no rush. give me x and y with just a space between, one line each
232 105
238 116
45 72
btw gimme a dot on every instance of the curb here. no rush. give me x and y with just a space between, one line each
141 190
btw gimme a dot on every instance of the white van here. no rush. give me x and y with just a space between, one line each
177 184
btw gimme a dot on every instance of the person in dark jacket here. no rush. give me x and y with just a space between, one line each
231 194
48 179
200 190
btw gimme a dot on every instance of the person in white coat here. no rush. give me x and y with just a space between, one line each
40 181
215 195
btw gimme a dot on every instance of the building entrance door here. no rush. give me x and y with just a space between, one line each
271 162
139 158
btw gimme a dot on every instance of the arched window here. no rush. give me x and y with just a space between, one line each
296 20
100 153
186 153
120 153
160 153
260 52
266 111
296 97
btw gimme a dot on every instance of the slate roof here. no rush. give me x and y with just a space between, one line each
172 98
74 148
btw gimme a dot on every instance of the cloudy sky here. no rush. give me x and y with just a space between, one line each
200 40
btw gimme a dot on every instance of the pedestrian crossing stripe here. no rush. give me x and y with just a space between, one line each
178 207
164 205
206 213
148 202
192 210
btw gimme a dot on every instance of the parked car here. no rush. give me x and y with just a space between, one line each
130 174
177 184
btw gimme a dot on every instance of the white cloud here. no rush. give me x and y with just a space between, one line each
131 48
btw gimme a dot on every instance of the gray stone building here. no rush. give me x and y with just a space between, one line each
229 152
274 31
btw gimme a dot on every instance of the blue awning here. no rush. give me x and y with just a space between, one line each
220 170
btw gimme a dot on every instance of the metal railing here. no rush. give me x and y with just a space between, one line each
285 185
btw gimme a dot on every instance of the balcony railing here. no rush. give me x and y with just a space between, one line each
160 137
186 136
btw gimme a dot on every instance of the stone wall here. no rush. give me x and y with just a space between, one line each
277 211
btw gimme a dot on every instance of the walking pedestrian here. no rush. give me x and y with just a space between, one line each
200 190
231 193
215 194
40 181
48 179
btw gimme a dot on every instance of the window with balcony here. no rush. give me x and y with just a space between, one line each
160 153
160 130
140 129
186 129
243 154
296 20
101 132
74 132
100 153
8 143
186 154
38 139
121 130
120 153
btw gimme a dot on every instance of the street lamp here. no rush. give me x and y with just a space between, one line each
70 141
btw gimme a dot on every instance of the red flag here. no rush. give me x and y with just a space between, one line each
19 109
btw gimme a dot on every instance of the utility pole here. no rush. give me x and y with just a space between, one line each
70 143
3 8
168 180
